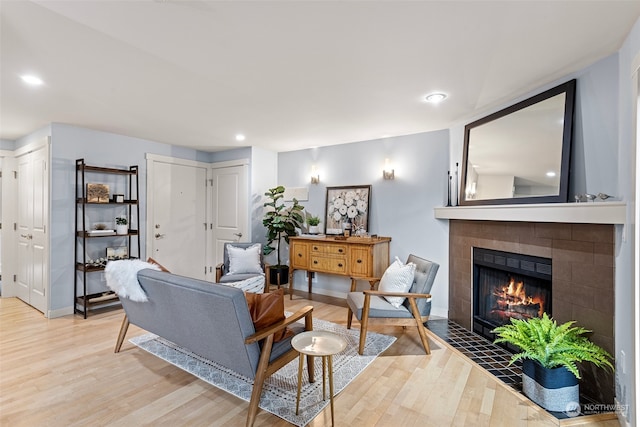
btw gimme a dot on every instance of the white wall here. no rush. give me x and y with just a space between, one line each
400 208
627 299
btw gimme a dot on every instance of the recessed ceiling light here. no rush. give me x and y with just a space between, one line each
32 80
434 98
240 137
551 174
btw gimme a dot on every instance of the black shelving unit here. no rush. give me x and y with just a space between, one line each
128 180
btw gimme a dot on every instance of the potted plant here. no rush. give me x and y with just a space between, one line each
122 225
313 222
550 353
281 222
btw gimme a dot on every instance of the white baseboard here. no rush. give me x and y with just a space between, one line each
52 314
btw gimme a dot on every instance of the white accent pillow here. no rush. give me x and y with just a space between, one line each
244 260
398 277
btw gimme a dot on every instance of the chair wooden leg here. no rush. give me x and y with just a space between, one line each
364 322
349 317
258 381
421 331
123 332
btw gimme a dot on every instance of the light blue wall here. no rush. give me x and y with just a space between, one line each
6 144
400 208
69 143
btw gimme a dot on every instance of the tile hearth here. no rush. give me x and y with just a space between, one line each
485 353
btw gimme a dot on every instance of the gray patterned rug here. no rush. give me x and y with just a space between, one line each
279 392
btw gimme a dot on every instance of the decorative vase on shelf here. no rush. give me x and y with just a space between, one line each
122 226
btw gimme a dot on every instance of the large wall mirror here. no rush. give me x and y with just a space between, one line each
520 154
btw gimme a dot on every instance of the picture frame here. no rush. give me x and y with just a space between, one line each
347 204
118 198
97 193
117 253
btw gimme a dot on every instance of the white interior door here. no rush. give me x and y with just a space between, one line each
178 218
229 206
33 193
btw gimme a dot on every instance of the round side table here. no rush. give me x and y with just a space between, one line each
322 344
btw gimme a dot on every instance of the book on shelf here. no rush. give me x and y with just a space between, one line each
101 232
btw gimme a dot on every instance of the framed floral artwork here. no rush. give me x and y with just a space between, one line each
347 205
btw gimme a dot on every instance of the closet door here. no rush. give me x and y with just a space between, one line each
33 207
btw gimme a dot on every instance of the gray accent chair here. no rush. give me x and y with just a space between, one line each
222 269
213 321
370 306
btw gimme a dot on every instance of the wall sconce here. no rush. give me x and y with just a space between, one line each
315 177
388 172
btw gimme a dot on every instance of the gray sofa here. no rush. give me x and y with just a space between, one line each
213 321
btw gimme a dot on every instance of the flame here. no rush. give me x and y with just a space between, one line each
514 294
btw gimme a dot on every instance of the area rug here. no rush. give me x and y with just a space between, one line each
279 392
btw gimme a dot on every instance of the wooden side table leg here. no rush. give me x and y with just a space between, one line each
324 376
300 363
353 284
331 386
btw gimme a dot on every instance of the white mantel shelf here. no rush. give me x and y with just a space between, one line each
585 213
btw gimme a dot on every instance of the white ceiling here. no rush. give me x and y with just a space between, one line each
288 75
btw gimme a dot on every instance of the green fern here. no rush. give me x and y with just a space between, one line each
542 340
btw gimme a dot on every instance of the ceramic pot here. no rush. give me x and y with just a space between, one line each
554 389
314 229
278 275
122 229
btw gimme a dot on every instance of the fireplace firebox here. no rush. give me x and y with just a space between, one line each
508 286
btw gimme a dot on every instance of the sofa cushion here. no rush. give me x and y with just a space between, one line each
244 260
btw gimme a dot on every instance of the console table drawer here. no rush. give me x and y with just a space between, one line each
329 264
329 249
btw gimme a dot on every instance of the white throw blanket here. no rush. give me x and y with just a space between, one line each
122 278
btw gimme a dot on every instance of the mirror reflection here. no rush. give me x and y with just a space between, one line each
520 154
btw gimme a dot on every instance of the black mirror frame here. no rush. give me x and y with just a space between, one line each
567 138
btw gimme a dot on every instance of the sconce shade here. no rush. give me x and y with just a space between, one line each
388 172
315 176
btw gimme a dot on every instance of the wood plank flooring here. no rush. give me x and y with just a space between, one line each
63 372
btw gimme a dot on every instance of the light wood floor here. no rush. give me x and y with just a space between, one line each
63 372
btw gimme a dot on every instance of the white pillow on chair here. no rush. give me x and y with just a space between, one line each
398 277
244 260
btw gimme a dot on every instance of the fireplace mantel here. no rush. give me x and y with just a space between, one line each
585 213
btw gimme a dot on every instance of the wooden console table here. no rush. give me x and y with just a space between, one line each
363 258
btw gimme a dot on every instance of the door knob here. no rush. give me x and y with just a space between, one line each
238 234
159 236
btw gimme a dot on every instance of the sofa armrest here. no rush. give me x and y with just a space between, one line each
303 312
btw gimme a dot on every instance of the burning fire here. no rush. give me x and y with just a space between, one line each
513 299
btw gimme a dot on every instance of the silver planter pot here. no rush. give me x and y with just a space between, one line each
554 389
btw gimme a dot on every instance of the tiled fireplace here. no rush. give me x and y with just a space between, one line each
582 277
